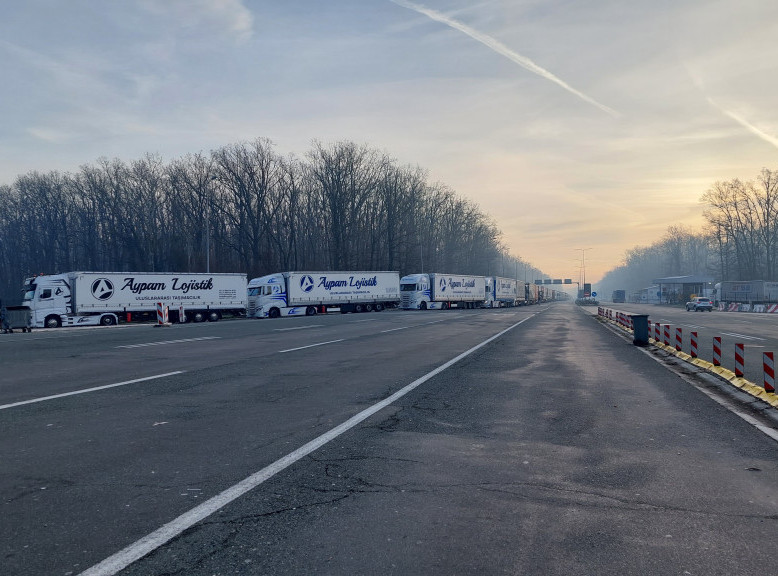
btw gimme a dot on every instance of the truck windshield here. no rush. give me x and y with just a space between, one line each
408 288
28 292
254 291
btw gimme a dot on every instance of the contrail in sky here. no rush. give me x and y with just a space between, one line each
748 126
502 49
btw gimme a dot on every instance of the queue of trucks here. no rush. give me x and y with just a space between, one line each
107 298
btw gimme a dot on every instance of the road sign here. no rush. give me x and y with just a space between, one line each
594 294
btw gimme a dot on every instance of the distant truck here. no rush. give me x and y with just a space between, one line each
103 298
308 293
501 292
619 296
746 292
437 291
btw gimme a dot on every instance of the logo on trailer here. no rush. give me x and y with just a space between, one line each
306 283
102 289
442 284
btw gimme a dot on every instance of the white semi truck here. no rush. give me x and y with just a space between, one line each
436 291
103 298
308 293
502 292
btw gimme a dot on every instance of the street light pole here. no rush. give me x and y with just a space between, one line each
583 264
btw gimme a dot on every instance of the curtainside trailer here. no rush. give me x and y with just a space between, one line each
309 293
436 291
104 298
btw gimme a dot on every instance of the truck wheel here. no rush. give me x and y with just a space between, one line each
423 306
310 311
52 322
273 313
359 308
107 320
379 307
213 317
368 307
198 317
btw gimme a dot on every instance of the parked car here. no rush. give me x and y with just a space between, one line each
699 303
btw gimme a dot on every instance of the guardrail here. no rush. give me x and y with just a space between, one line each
659 336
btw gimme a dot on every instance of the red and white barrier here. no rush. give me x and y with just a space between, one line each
768 364
717 350
657 332
678 339
739 359
162 315
772 308
693 344
667 335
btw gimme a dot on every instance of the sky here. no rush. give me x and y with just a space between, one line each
583 128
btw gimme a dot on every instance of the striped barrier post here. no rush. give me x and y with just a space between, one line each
657 332
649 329
717 350
667 335
769 371
693 337
162 315
679 339
739 360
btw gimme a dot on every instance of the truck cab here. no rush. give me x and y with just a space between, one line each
50 300
415 293
266 296
47 297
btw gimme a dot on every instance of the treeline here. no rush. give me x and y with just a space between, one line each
738 242
244 208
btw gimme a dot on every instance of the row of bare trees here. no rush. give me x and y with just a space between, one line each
243 207
739 240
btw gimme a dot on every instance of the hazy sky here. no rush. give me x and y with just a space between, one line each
574 124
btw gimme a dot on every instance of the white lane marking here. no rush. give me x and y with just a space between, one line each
298 328
742 336
85 390
417 325
170 342
310 346
119 561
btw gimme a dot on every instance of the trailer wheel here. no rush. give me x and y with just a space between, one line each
52 322
107 320
213 316
359 308
368 307
310 311
198 316
379 307
273 313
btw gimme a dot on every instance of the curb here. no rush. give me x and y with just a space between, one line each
741 383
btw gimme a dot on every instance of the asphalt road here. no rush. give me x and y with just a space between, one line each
555 448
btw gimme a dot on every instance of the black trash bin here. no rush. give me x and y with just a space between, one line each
640 329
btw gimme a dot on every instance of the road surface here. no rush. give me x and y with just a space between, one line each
520 441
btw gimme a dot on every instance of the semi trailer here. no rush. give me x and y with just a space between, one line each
105 298
437 291
309 293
